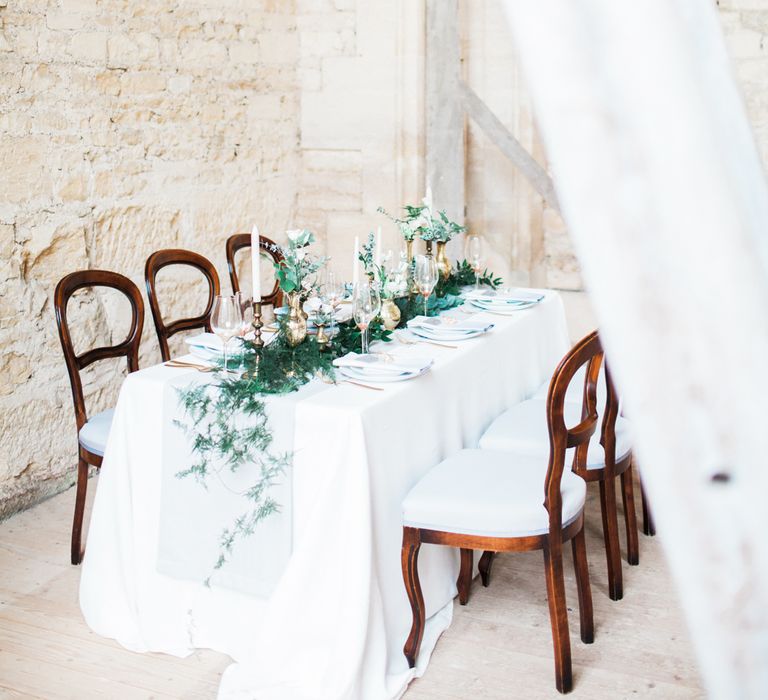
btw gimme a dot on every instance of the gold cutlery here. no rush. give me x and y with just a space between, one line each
181 364
364 386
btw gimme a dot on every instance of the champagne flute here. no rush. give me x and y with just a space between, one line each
366 306
226 321
426 275
333 293
475 256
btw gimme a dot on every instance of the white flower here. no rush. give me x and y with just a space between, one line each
300 254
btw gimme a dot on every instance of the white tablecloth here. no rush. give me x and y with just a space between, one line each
335 625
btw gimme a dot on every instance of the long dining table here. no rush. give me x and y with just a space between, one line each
311 605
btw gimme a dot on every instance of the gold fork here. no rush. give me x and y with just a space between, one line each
181 364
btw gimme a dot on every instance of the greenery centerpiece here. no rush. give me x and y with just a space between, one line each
421 221
390 279
296 275
221 442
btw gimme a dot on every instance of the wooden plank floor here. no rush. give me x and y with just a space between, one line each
499 645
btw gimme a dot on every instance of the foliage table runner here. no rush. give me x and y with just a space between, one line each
323 614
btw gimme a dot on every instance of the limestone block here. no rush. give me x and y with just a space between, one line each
26 175
142 82
89 47
244 52
201 55
139 49
64 20
278 47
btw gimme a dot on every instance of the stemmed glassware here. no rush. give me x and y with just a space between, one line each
475 257
332 294
366 305
425 276
226 321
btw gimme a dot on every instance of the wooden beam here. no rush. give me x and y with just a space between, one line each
662 189
501 136
444 111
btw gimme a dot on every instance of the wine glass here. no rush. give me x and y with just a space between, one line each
226 321
366 305
475 257
332 294
425 277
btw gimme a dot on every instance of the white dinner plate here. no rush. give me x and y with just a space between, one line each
505 309
377 377
445 334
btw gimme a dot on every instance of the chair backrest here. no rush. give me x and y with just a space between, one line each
174 256
588 351
268 247
129 348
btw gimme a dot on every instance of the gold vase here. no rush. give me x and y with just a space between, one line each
296 325
428 245
443 264
409 251
390 314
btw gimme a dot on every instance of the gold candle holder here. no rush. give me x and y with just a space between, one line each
323 339
257 325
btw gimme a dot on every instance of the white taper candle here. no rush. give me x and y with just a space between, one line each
255 266
378 246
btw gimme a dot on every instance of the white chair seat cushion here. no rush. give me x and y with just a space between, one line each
490 494
523 430
93 435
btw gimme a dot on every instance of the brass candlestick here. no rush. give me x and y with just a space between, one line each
323 338
257 325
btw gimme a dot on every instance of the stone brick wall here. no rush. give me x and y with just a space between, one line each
125 127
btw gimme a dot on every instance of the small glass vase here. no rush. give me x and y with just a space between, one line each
390 314
296 325
443 264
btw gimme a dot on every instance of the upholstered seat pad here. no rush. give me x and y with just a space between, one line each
93 435
490 494
523 429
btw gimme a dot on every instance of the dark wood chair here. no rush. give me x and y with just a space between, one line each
523 429
268 247
174 256
492 500
92 434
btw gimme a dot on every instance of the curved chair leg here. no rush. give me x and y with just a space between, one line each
586 618
558 616
648 527
77 522
630 517
611 537
464 582
484 565
409 558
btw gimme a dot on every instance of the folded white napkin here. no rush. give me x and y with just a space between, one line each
212 342
384 363
450 324
209 341
508 295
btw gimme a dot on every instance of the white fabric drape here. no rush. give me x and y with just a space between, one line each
334 626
